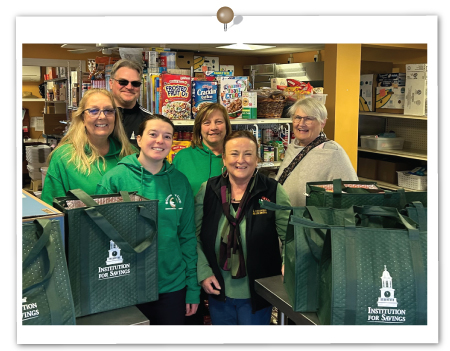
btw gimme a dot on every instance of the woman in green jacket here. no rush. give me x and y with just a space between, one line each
203 159
94 143
153 177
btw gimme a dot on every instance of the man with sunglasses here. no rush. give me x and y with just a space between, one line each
125 85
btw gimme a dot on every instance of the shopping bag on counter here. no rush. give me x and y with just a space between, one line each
46 293
343 194
111 249
418 213
374 272
303 251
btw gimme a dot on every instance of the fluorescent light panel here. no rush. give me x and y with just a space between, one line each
240 46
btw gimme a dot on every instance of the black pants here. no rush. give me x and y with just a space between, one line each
169 309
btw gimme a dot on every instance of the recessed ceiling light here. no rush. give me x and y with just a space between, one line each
240 46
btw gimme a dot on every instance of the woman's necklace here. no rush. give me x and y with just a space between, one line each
236 200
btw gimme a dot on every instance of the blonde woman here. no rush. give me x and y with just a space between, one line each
93 145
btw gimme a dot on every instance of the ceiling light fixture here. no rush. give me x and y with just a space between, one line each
240 46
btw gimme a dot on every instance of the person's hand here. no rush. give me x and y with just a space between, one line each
282 270
208 285
191 308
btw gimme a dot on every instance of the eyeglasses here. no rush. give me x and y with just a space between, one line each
124 82
307 119
95 112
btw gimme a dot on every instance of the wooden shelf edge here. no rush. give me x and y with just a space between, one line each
392 115
385 185
405 153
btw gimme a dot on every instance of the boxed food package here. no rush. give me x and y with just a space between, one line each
231 89
249 105
387 170
416 90
390 98
203 92
379 143
211 63
175 96
227 68
366 92
391 79
278 83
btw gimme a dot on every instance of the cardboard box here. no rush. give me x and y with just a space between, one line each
210 62
274 82
416 90
185 59
366 93
52 125
34 208
387 170
390 98
367 168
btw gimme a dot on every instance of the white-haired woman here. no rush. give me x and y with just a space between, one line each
311 157
93 145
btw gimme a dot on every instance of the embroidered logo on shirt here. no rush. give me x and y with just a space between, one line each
172 200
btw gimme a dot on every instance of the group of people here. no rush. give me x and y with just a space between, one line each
218 240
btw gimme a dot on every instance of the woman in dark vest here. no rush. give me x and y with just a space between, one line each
237 240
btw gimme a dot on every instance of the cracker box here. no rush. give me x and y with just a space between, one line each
203 92
366 92
175 96
416 90
230 89
177 145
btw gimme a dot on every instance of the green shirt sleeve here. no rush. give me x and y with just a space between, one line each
203 268
55 184
282 216
188 242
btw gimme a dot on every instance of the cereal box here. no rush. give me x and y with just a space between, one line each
231 89
175 97
203 92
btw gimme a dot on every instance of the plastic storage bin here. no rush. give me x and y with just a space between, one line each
321 97
411 181
377 143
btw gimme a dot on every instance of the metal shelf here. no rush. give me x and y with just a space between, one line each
271 164
55 80
385 185
392 115
57 101
406 153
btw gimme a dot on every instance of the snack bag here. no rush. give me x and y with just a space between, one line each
177 146
203 92
175 96
231 89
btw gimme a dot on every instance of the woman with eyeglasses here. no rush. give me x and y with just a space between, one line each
93 145
311 157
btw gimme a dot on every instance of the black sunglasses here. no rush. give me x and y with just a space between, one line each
124 82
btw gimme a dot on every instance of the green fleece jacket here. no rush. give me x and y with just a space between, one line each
63 176
198 165
177 253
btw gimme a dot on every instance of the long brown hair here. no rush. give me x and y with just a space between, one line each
202 115
77 137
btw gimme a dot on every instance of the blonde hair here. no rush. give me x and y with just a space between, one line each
77 137
202 115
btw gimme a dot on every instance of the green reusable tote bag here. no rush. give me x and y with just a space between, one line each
343 194
303 251
112 249
418 213
46 293
374 274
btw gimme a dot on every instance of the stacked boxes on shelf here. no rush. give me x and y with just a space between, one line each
416 89
36 156
390 92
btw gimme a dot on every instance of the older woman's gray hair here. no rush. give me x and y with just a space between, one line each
311 107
